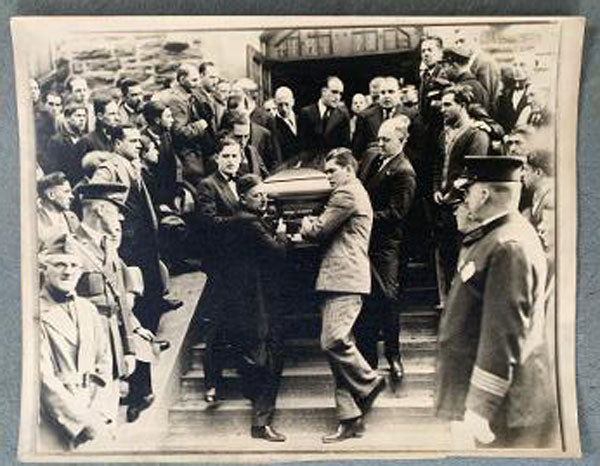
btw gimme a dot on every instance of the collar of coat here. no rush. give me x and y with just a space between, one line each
483 230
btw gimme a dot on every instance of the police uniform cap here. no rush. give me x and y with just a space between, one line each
112 192
499 168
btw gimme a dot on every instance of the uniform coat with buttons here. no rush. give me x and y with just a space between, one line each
493 355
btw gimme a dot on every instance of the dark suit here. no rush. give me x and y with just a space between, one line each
215 205
254 307
61 155
317 138
287 139
493 354
391 191
95 140
166 169
471 141
507 114
367 127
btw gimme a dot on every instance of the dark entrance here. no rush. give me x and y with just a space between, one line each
305 77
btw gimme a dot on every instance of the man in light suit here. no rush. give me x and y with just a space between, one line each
75 360
323 125
344 228
390 180
369 121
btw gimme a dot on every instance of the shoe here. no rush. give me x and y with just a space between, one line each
396 373
211 396
267 433
171 304
353 428
366 403
134 411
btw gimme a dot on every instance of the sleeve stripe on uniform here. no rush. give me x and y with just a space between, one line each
489 382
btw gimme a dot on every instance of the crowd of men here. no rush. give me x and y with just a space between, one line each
133 187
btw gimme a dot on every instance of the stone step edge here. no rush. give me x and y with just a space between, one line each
422 401
314 342
305 371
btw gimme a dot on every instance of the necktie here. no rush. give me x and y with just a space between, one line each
326 116
375 166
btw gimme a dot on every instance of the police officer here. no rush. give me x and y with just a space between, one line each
494 377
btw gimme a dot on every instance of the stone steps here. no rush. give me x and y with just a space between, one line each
300 414
304 379
309 350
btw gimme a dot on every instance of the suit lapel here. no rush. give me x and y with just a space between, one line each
226 193
389 168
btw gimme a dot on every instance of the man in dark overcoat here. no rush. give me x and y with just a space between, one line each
390 181
494 376
253 303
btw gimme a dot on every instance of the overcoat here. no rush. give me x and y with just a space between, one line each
391 191
255 265
73 353
493 355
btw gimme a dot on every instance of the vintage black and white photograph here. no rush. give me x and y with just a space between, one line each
297 237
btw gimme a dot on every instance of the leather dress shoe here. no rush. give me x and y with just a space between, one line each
267 433
366 403
134 411
396 373
353 428
171 304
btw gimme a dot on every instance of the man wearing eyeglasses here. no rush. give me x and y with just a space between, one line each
75 360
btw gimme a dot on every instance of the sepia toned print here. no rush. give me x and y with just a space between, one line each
297 236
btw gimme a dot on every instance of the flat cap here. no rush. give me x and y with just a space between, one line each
62 244
456 53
